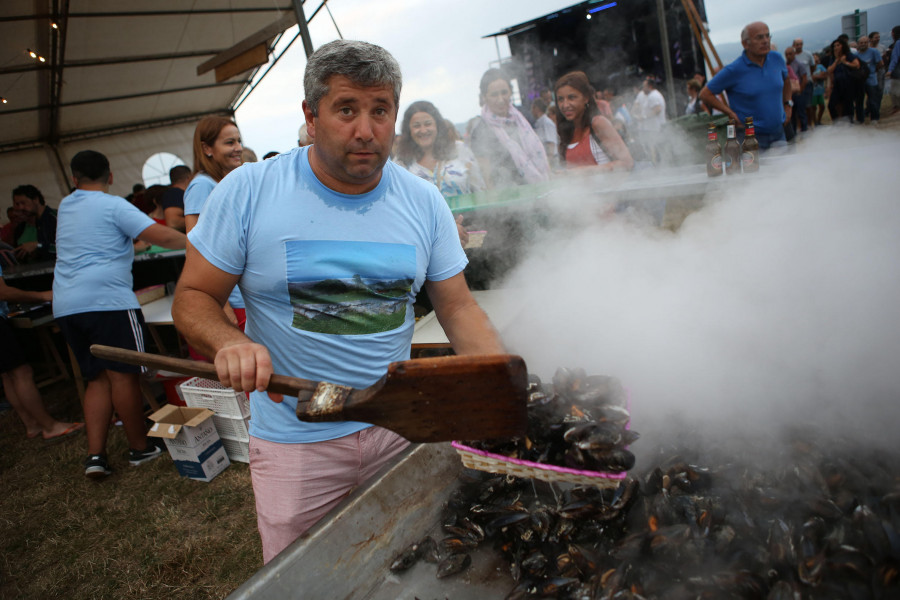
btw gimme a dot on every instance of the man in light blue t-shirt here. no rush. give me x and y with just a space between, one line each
329 244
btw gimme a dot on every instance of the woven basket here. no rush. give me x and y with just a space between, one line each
480 460
497 463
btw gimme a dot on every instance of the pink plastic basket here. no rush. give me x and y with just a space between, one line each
497 463
481 460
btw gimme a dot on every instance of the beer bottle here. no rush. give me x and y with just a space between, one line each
713 153
732 151
750 148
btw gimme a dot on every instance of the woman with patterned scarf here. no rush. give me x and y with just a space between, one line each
507 148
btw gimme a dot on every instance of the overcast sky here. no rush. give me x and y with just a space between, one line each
439 46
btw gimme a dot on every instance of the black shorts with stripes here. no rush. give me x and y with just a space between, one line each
119 328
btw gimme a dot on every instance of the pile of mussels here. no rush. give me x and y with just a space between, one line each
578 421
821 520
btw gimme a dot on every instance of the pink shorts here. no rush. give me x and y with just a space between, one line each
296 484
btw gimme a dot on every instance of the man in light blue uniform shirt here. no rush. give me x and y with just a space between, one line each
757 85
329 244
94 302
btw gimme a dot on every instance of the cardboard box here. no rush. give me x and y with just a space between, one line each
192 440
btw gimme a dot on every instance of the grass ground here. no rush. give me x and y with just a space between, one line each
144 532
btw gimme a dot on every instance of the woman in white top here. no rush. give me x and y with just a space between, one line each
427 150
586 138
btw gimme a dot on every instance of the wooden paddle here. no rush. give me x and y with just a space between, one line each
424 400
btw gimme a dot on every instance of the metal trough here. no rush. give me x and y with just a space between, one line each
347 554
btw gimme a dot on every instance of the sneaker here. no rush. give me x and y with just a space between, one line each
138 457
96 467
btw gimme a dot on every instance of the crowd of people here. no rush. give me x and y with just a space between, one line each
503 147
849 78
603 129
358 203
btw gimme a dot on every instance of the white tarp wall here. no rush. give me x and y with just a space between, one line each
37 167
127 153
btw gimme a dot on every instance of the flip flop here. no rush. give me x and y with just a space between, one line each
72 430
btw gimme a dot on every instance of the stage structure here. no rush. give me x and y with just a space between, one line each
614 42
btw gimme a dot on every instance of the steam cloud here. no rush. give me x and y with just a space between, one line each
776 303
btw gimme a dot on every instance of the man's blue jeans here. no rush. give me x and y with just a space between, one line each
873 102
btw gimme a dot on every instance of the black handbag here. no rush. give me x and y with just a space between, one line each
861 74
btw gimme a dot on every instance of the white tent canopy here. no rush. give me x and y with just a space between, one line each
121 78
127 154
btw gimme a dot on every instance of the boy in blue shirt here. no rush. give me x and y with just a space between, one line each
94 302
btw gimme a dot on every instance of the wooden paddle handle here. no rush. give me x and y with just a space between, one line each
280 384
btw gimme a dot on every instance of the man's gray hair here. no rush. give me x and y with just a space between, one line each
362 63
745 32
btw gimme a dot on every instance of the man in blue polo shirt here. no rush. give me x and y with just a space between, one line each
757 85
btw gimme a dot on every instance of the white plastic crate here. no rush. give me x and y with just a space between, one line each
207 393
236 450
236 429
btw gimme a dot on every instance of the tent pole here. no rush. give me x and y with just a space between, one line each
62 177
667 58
304 29
338 29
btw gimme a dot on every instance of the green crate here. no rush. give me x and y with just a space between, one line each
692 129
520 195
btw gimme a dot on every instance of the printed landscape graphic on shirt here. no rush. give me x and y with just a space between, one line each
349 288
